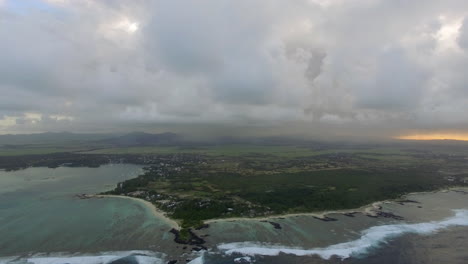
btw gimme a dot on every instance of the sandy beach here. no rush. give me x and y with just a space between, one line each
369 209
158 213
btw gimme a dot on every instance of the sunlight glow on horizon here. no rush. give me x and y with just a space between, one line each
435 136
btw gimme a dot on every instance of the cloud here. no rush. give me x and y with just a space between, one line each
397 84
319 64
463 37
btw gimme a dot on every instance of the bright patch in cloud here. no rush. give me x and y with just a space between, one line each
7 121
33 117
127 26
61 117
448 33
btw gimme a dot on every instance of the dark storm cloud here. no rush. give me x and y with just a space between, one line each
397 84
376 64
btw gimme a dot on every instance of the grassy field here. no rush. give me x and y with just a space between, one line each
245 150
224 150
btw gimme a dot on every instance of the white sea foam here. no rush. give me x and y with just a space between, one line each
142 257
370 238
198 260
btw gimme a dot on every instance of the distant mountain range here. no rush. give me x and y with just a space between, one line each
137 139
144 139
131 139
49 138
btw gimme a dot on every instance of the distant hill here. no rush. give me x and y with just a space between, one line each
49 138
144 139
131 139
169 138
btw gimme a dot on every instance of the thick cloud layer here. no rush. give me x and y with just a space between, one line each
373 65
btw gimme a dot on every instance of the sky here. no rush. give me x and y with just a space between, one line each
319 68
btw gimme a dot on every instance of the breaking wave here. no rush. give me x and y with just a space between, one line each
370 238
198 260
120 257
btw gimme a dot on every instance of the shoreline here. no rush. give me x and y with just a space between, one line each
156 212
322 215
369 209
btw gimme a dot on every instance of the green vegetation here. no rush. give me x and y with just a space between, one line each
237 150
194 188
217 150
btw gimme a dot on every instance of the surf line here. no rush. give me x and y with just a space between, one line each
370 238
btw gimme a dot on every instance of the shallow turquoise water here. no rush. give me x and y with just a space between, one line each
40 213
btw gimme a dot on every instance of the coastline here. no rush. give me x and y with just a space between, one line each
369 209
156 212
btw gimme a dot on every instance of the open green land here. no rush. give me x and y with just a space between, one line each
240 150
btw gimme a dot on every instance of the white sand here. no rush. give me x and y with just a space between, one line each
156 212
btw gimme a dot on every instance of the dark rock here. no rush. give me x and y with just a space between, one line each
204 226
386 215
275 225
194 240
350 214
408 201
326 219
198 248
